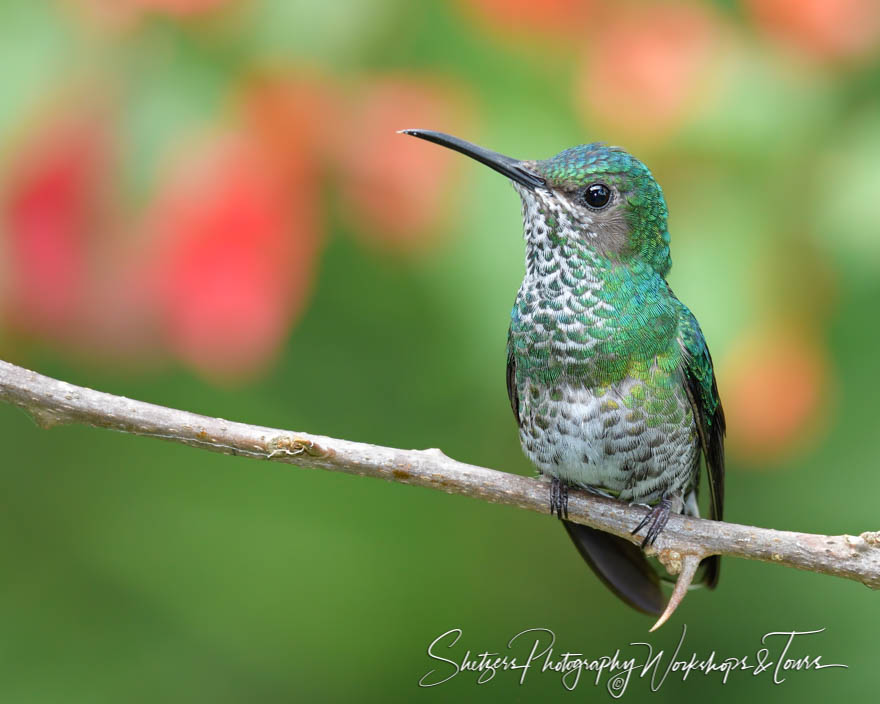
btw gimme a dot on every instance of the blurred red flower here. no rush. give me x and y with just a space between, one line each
395 188
646 65
234 258
51 215
824 29
775 387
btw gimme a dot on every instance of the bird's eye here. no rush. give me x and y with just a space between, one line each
597 195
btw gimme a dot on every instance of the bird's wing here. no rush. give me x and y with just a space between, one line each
511 380
702 392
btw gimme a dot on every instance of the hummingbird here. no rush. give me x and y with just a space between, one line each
609 376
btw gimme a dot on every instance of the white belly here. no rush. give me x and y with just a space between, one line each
595 441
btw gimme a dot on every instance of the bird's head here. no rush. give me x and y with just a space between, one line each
591 195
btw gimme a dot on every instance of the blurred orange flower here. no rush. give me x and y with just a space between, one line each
524 19
824 29
294 116
396 189
181 8
646 66
122 14
775 393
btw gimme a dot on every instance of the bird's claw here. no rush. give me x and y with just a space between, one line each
655 520
558 498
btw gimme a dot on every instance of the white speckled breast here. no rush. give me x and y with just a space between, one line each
588 440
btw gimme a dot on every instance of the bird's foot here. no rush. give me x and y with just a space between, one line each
558 498
655 521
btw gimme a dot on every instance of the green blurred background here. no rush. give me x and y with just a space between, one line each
205 205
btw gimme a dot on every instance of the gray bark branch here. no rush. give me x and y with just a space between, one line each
51 402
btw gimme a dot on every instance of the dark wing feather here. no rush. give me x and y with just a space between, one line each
511 381
702 391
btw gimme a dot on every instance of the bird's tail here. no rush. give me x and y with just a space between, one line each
621 565
626 571
712 570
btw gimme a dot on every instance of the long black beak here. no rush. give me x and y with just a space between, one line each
512 168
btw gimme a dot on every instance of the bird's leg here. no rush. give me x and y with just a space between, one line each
655 520
558 497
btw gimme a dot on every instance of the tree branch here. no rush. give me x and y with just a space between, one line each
679 547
